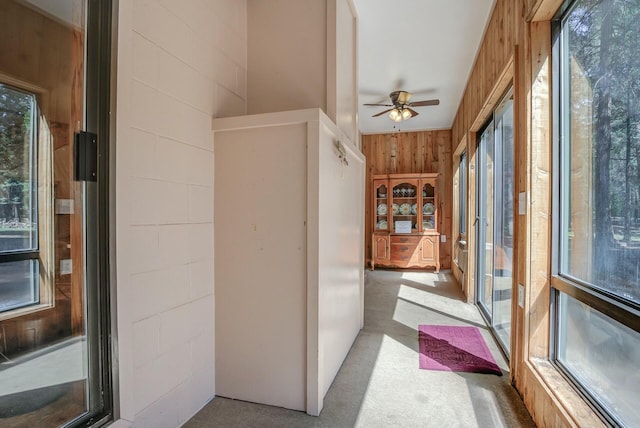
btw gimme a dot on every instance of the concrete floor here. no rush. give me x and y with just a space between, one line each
53 365
380 384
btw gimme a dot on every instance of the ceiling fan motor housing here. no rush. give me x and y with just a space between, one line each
399 97
401 107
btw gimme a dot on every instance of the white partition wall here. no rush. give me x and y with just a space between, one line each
341 255
288 256
260 264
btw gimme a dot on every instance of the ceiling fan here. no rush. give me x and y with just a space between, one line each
401 107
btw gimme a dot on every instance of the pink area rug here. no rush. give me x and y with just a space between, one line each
455 349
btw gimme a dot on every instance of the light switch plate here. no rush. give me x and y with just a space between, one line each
521 295
64 206
522 203
443 238
66 267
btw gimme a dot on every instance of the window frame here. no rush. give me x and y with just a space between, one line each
43 183
624 311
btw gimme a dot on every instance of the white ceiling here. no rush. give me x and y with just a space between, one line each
426 47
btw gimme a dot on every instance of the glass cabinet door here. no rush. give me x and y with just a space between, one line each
428 208
381 214
404 207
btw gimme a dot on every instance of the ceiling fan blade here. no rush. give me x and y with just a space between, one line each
380 105
425 103
382 112
412 111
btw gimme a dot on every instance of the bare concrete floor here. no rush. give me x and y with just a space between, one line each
380 384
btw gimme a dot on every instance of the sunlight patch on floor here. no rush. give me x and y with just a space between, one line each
428 279
62 365
431 302
485 402
397 367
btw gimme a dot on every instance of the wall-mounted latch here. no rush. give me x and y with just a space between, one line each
85 156
342 152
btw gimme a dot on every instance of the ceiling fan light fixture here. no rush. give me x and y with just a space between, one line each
400 108
395 115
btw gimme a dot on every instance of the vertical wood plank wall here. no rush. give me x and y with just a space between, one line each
493 57
514 51
412 152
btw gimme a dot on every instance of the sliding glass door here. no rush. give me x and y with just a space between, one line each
53 304
495 209
486 167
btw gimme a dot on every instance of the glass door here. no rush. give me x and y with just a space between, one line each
52 353
504 223
495 198
484 280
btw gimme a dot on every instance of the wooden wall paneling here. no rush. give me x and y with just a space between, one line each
494 54
416 160
389 154
402 153
445 197
521 97
77 240
541 10
391 146
529 7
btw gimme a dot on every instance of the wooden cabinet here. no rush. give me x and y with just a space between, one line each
381 248
405 221
429 253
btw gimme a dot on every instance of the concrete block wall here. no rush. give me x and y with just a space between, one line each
179 63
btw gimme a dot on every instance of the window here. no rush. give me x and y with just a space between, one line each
597 229
19 284
462 196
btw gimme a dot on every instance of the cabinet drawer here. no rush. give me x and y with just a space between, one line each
405 253
407 240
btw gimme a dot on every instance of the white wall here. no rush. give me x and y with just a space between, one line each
178 64
340 254
302 54
260 211
287 51
289 256
342 84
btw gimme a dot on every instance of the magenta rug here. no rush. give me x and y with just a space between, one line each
455 349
